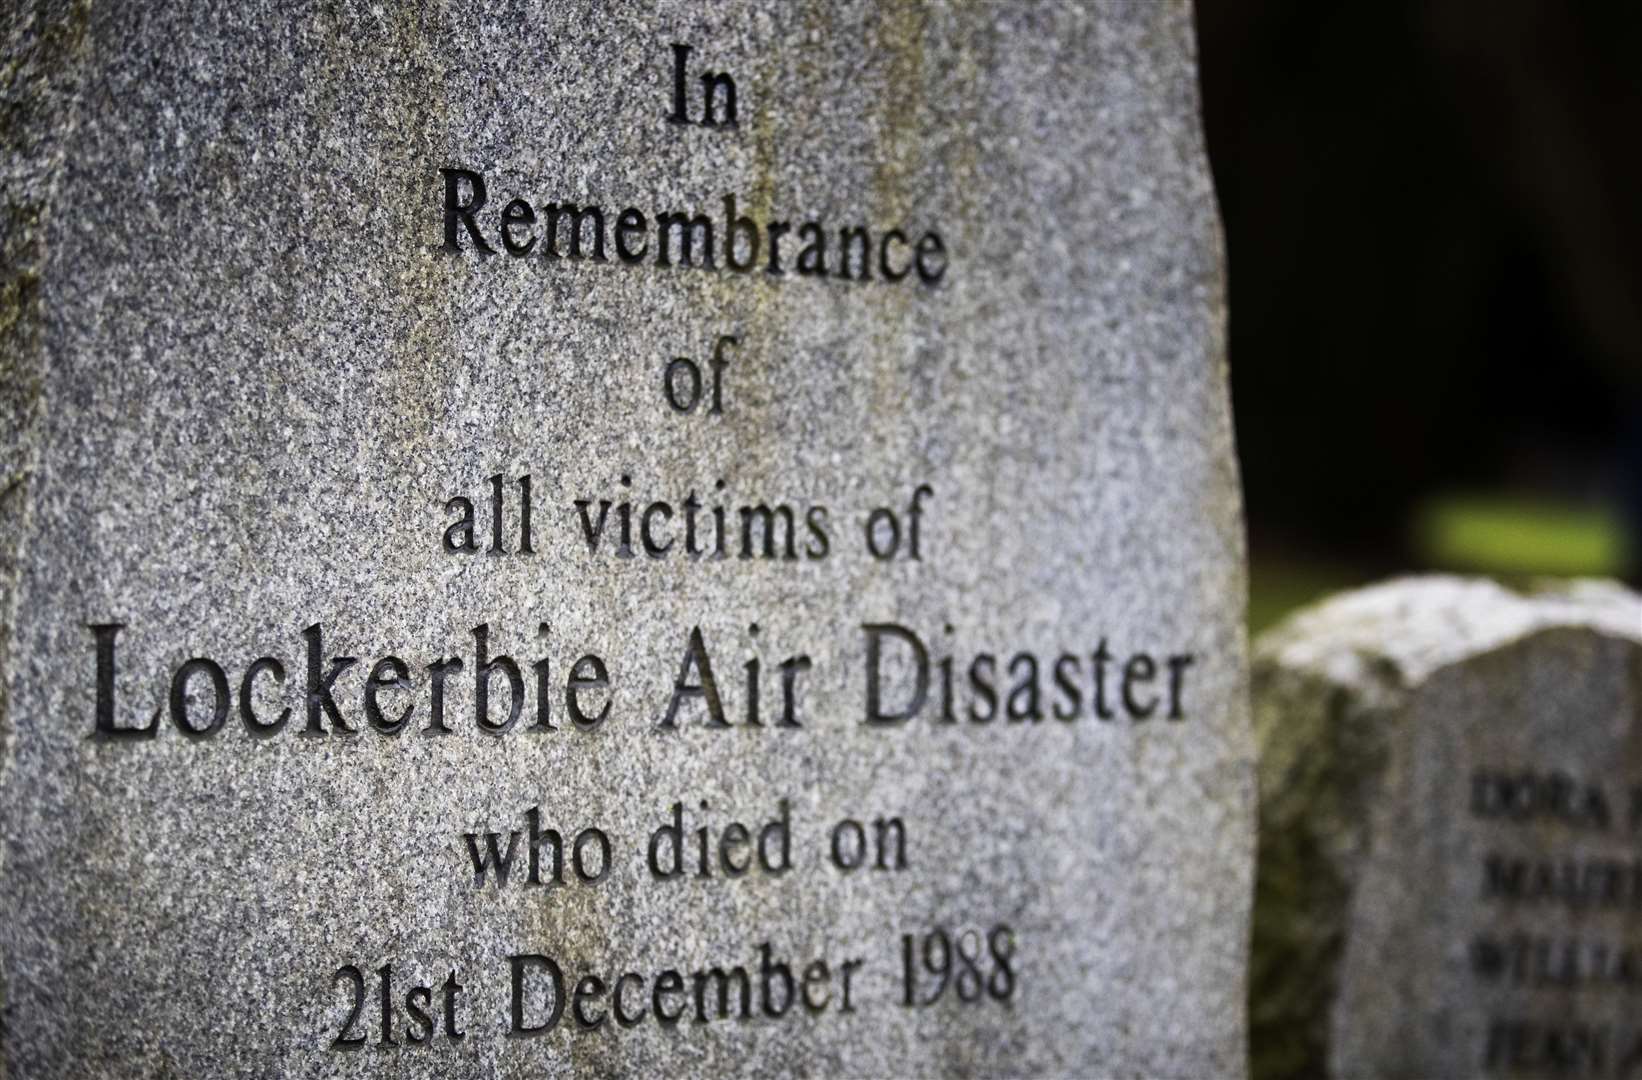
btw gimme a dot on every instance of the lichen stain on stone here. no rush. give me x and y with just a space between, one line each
413 364
761 328
20 393
1295 955
899 33
34 67
40 58
20 379
567 925
752 302
973 58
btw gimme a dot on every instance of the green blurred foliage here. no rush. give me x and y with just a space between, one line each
1510 538
1517 540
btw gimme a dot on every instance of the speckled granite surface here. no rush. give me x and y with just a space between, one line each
257 357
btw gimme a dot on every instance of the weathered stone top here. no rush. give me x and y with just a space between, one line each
1415 626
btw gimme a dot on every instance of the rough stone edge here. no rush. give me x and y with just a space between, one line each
43 44
1241 713
1329 684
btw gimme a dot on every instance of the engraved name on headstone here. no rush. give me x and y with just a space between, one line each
553 538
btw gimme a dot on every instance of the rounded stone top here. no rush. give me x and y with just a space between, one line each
1418 625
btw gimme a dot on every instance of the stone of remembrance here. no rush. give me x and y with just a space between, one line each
678 539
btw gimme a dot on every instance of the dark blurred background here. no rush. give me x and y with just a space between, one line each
1433 215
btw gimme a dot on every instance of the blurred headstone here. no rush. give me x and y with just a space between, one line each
662 539
1450 869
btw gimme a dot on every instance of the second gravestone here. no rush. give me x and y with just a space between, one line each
1451 801
555 540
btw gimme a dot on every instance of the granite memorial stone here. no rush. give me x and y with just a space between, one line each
1450 882
675 539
